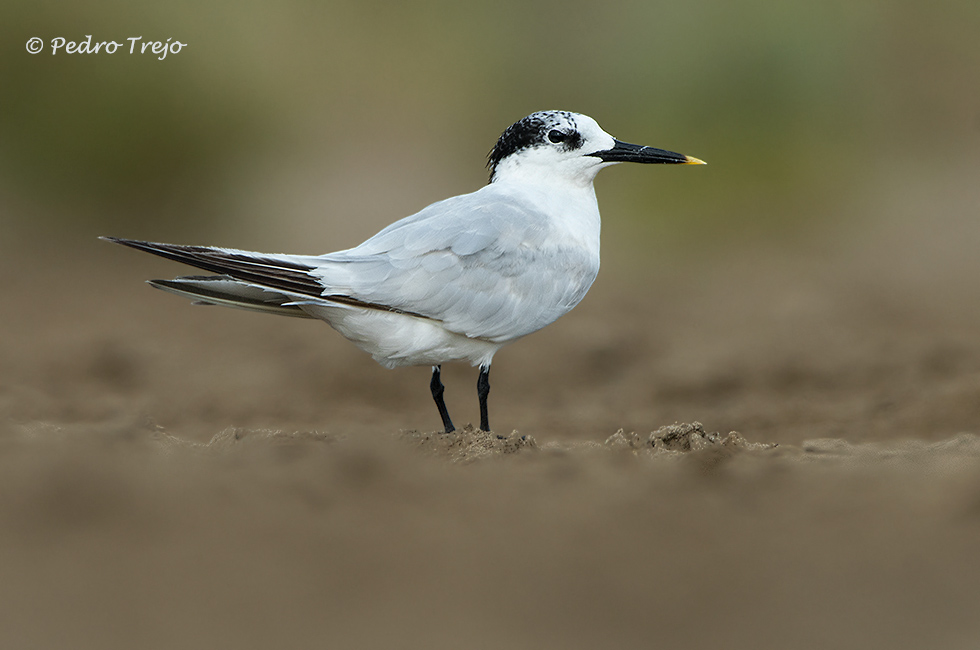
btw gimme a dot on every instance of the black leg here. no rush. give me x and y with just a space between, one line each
437 390
483 389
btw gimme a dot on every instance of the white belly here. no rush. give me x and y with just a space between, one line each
394 339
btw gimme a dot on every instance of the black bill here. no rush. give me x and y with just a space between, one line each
626 152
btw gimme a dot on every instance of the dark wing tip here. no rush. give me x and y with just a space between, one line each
132 243
256 268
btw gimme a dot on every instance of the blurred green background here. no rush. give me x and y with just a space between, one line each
307 125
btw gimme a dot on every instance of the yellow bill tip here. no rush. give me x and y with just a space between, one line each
693 161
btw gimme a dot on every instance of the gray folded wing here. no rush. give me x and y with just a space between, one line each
485 264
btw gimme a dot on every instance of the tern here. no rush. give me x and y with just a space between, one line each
455 281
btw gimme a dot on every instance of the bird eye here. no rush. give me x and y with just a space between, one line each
556 136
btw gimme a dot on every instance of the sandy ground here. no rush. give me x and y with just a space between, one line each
173 476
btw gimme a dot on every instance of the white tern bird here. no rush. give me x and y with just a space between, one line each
457 280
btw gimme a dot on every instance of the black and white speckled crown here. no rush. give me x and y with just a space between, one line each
532 131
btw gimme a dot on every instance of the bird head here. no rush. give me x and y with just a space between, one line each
566 146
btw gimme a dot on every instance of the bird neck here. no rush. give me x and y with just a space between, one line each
532 172
572 206
548 189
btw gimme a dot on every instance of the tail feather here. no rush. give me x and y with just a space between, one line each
228 292
248 280
254 268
